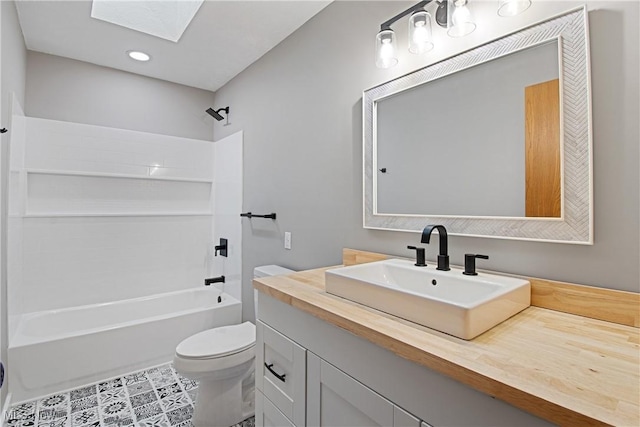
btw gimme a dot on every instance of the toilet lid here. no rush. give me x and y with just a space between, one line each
218 342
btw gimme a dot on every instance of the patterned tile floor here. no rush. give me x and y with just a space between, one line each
157 396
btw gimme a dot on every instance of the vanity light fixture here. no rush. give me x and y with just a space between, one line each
454 15
420 33
138 56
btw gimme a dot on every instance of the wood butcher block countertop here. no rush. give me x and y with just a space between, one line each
568 369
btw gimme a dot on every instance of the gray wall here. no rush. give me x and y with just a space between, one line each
74 91
300 109
13 61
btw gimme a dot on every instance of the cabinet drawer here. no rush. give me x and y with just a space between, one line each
267 415
281 372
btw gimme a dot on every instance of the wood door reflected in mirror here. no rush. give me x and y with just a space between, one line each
542 150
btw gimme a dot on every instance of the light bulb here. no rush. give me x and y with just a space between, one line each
387 53
419 33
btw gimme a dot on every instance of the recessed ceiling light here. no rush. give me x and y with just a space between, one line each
138 56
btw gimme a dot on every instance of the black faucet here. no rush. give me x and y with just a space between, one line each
443 257
219 279
222 248
470 263
420 257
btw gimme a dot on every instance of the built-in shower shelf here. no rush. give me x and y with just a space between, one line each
112 175
56 193
109 214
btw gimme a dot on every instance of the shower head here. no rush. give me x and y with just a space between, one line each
216 113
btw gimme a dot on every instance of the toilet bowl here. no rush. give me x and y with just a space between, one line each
223 361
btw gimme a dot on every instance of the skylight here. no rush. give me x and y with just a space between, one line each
160 18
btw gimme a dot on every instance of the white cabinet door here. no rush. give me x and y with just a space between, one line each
334 399
267 415
280 372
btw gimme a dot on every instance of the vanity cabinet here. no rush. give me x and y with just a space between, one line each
296 388
336 399
334 378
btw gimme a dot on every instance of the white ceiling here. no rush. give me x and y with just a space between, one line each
223 39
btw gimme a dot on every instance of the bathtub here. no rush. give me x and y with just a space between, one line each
52 351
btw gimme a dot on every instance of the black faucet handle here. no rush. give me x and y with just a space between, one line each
470 263
420 256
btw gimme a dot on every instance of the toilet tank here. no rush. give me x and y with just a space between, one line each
270 270
266 271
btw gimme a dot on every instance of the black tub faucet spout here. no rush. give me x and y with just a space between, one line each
219 279
443 256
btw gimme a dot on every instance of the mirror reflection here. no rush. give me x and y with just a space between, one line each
483 141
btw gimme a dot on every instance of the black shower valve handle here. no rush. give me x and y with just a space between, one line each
221 248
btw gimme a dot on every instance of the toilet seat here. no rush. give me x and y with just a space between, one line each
218 342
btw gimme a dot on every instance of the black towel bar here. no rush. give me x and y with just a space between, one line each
252 215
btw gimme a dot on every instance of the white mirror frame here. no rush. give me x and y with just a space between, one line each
575 225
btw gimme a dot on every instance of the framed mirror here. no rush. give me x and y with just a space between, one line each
494 142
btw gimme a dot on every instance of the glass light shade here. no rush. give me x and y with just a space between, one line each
512 7
386 52
459 19
420 34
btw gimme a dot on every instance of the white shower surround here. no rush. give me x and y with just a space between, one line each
56 350
111 233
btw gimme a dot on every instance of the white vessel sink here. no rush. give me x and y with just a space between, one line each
448 301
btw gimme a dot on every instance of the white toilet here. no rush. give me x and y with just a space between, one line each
223 361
